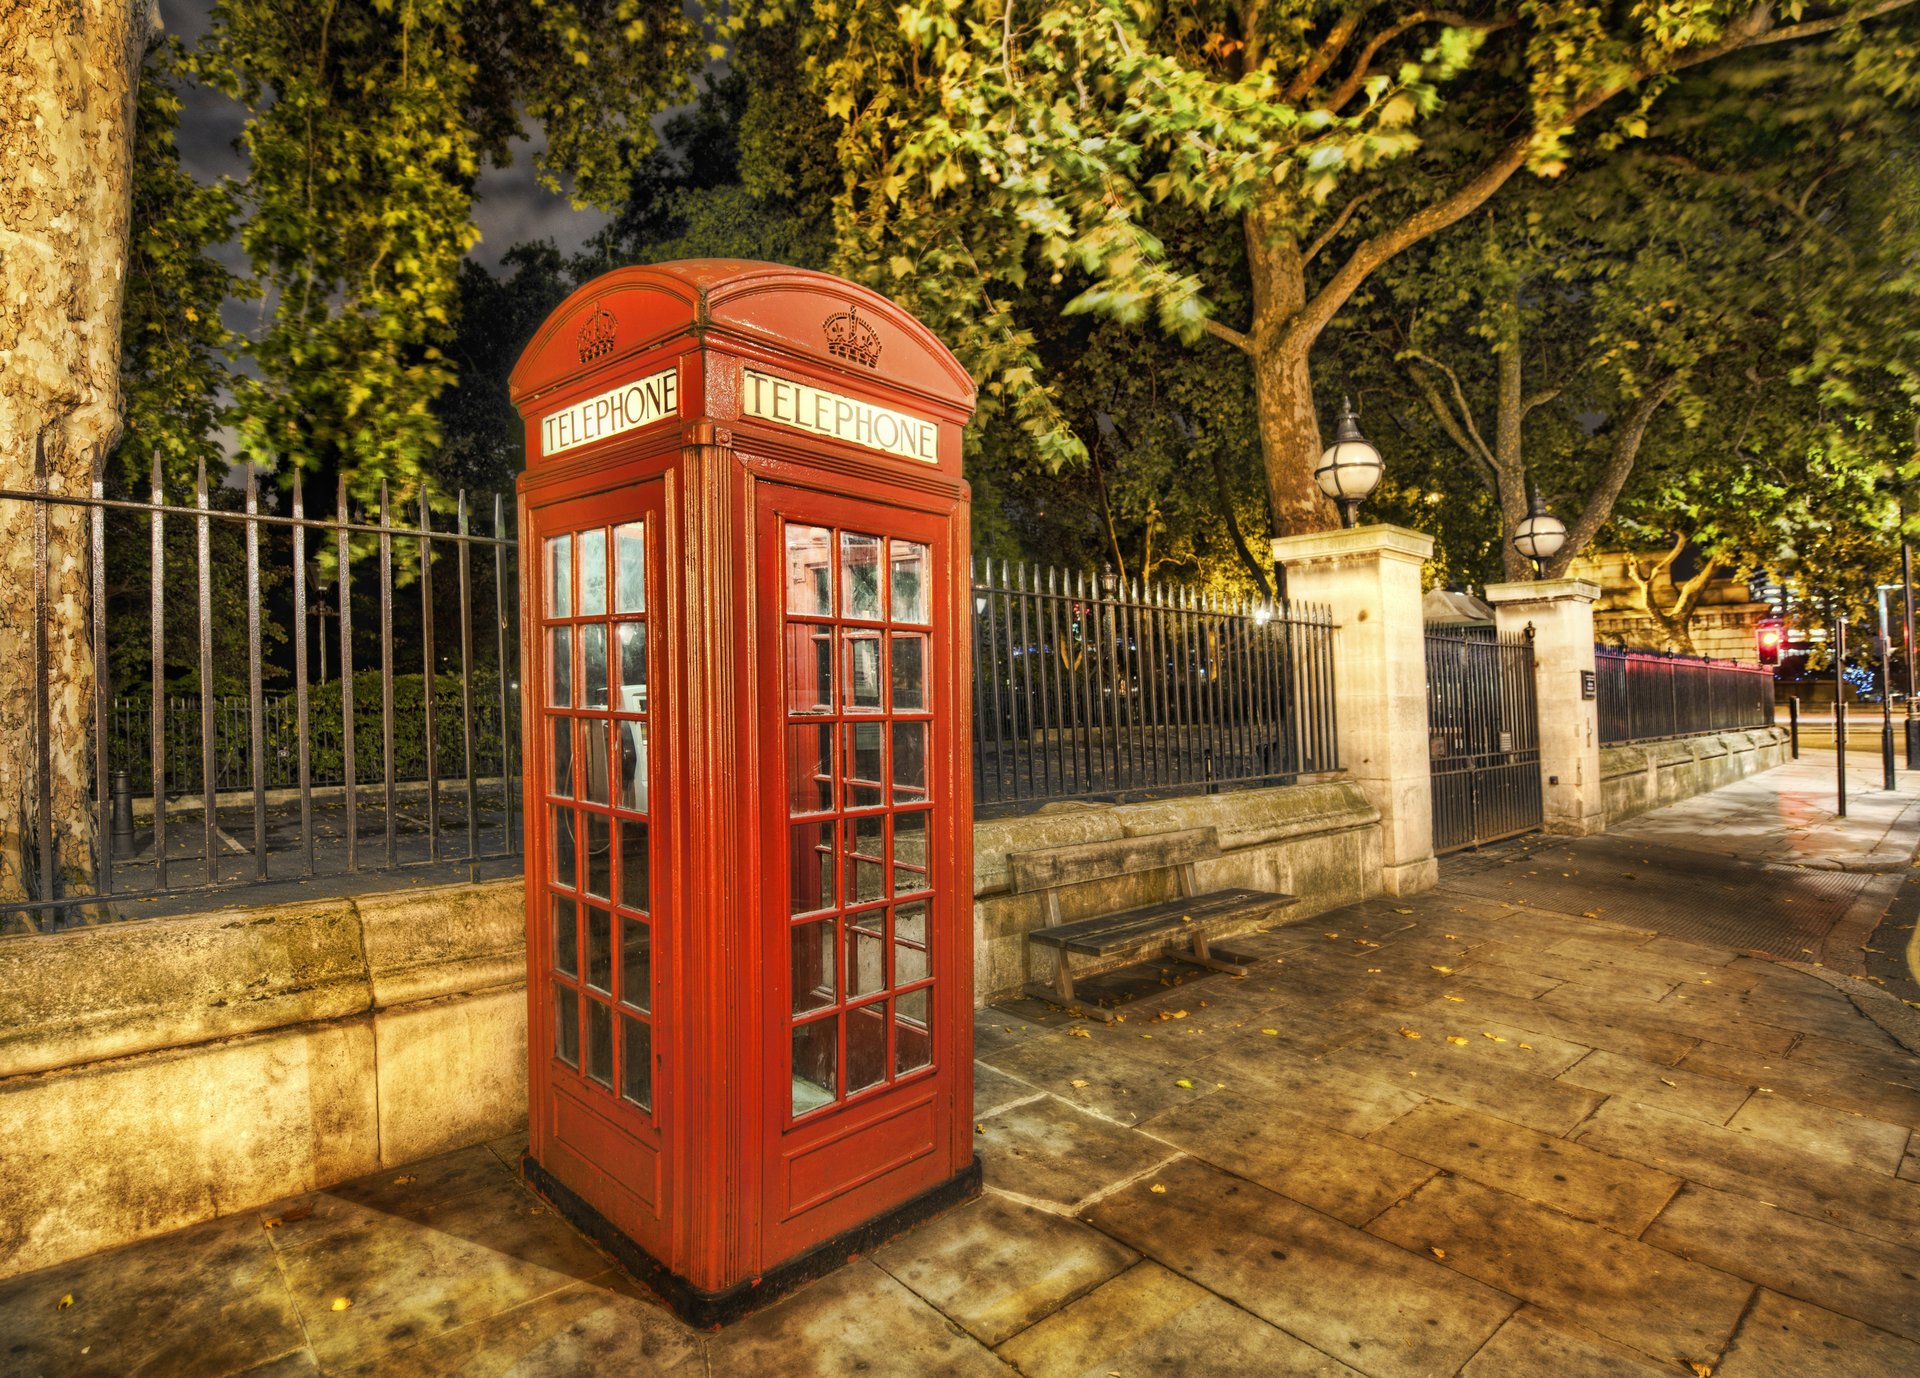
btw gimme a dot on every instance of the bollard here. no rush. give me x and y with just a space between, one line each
1840 714
1793 725
124 841
1913 742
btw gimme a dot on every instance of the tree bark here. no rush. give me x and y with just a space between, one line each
1282 381
69 70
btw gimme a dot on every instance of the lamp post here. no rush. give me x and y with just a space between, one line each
1540 534
1350 468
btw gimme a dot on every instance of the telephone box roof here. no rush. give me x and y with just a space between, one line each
759 306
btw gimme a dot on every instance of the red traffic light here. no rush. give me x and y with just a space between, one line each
1768 637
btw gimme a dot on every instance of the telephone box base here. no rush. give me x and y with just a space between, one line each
709 1310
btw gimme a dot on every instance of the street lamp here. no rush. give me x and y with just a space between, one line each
1350 468
1540 534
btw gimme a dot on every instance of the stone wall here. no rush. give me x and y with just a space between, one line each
1649 775
160 1073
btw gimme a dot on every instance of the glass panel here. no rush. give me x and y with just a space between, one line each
636 865
865 765
599 856
636 964
859 575
910 944
811 860
863 670
912 1034
809 668
815 1059
813 978
636 1063
600 1043
866 846
866 1046
593 665
909 672
564 864
563 757
910 567
866 959
630 567
593 760
810 571
566 1024
566 936
633 667
559 576
593 573
560 668
599 949
910 763
909 853
810 768
633 765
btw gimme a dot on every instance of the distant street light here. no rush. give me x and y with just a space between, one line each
1540 534
1350 469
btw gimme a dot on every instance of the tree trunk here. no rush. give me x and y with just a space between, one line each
1282 381
68 75
1509 453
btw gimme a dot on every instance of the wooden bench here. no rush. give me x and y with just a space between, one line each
1184 926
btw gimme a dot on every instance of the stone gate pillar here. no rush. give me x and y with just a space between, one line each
1561 614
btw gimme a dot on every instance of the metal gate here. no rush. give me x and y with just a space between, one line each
1483 736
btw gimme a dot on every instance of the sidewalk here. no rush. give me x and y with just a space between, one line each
1550 1118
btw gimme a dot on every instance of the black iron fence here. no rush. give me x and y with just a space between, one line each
1643 696
407 757
1483 736
1094 687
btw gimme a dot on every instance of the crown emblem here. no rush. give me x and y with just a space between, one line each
850 338
596 336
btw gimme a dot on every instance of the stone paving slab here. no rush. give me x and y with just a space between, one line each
1046 1151
1532 1344
1783 1338
1700 1096
1851 1140
1814 1082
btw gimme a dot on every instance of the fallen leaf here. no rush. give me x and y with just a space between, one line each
1373 971
1403 911
1184 1084
1457 999
1333 935
1494 1036
64 1302
342 1303
1457 1040
1157 1189
1271 1033
1527 1047
1408 1033
1700 1370
1437 1251
1665 1082
1444 971
1080 1082
406 1181
1179 1014
1146 1035
1079 1033
979 1129
1453 937
1706 982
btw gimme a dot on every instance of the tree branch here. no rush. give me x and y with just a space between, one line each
1233 526
1479 449
1613 477
1363 65
1339 223
1323 56
1233 337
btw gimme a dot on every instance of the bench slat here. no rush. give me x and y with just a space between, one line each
1106 934
1119 856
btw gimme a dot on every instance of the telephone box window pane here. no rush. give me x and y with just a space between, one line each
863 671
636 964
566 1025
630 567
633 667
912 1035
560 668
599 856
866 1046
866 959
865 765
633 765
860 576
593 665
811 859
910 566
600 1043
563 757
910 943
563 858
909 672
809 668
810 768
810 571
636 1063
814 986
866 845
910 763
566 937
636 865
816 1059
593 573
909 853
593 761
560 576
599 949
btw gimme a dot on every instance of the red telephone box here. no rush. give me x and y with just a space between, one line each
749 816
